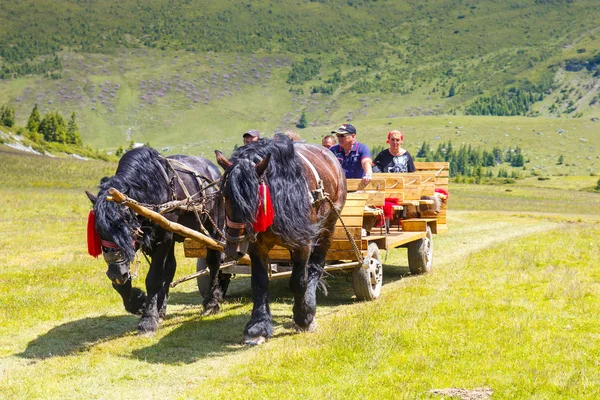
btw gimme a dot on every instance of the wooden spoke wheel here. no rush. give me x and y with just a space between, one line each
368 278
420 254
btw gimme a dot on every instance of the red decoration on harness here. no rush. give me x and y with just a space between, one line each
264 212
93 238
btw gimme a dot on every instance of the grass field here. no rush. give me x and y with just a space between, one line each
511 305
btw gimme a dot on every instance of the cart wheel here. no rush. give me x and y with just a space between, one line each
366 282
204 280
420 254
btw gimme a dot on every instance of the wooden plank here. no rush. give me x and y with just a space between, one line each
352 210
428 189
412 193
357 196
351 221
425 165
344 244
356 184
419 224
194 253
357 202
412 180
392 180
279 254
193 249
396 239
395 194
340 234
376 198
335 255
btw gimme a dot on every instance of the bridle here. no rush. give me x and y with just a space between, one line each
243 232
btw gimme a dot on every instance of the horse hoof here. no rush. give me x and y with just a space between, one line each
255 341
210 311
310 328
147 334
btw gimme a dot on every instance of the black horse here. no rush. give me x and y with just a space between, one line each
144 175
303 220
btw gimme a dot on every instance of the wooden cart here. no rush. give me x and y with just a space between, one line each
357 241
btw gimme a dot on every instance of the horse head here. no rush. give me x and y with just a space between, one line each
240 191
120 234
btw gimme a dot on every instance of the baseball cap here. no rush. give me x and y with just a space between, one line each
345 128
252 132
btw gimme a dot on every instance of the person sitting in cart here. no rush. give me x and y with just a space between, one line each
394 159
328 141
250 136
355 157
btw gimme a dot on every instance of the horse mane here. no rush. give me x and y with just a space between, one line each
287 183
139 176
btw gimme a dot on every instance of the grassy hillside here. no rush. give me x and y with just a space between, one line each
511 305
192 75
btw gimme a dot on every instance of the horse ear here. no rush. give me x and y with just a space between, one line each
222 160
92 198
261 167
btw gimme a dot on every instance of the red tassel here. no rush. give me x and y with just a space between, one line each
93 239
265 212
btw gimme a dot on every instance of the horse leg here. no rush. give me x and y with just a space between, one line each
260 326
154 284
169 273
133 298
305 277
214 297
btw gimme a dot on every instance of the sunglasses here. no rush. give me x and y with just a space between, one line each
341 135
395 140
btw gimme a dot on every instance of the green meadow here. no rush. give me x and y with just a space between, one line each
511 305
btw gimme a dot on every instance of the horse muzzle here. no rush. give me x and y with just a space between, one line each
118 273
236 250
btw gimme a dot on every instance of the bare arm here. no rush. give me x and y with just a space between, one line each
367 165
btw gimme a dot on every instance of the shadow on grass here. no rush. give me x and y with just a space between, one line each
76 336
214 336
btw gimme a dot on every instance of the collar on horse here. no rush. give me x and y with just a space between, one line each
318 194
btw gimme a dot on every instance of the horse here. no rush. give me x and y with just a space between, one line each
147 177
304 185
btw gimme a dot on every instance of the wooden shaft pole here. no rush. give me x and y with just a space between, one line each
171 226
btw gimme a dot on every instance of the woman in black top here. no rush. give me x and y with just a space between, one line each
394 159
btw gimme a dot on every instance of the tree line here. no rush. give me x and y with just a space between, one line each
52 127
467 161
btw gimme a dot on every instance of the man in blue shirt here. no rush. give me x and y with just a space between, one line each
355 157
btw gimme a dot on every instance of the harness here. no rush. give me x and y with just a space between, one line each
113 253
318 194
315 196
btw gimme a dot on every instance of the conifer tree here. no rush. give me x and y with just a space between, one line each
34 119
53 128
303 123
7 116
423 150
73 136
